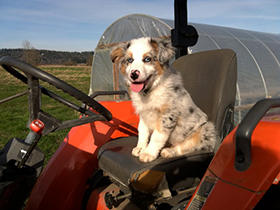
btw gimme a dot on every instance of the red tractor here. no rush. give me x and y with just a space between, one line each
93 168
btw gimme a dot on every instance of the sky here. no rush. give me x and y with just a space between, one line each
77 25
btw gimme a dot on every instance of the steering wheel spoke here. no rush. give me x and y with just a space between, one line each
34 74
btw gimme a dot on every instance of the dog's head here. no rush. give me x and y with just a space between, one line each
143 61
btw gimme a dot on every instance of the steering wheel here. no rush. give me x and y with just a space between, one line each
32 73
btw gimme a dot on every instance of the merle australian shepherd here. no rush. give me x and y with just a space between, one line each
170 123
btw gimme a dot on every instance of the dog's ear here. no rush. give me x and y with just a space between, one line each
165 51
118 52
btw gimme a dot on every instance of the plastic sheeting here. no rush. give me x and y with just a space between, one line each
258 55
258 61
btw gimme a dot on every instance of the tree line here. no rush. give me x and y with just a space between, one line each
37 57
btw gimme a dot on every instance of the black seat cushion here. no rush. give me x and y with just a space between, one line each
116 160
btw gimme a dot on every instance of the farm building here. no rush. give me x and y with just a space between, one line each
258 55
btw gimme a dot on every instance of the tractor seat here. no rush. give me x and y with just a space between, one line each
210 78
116 160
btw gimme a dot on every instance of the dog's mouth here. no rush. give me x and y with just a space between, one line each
139 86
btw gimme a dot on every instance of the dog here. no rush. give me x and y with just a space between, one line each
170 124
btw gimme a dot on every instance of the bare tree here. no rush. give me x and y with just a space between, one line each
27 45
30 54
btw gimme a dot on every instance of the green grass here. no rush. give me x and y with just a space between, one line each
14 114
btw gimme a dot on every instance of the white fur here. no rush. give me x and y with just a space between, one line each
170 123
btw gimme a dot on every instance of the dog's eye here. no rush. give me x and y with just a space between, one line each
147 59
129 60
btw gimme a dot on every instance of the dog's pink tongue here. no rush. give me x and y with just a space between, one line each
137 87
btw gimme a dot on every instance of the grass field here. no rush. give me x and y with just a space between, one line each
14 114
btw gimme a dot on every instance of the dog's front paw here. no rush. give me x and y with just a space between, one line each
136 151
167 153
145 157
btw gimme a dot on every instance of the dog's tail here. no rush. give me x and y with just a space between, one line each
209 137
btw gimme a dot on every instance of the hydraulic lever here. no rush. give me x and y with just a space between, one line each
37 127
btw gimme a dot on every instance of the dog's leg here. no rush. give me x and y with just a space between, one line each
143 138
202 139
164 127
182 148
158 141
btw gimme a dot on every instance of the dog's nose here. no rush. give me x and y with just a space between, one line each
134 74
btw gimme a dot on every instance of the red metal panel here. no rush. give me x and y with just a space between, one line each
243 190
63 181
265 159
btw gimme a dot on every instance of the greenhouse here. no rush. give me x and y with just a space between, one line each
258 55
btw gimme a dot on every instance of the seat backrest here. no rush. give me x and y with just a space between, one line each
210 78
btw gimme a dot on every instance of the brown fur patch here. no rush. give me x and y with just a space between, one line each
159 68
155 46
196 137
163 108
146 55
123 68
187 145
130 54
159 124
161 111
117 54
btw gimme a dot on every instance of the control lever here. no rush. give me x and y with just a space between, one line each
37 127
